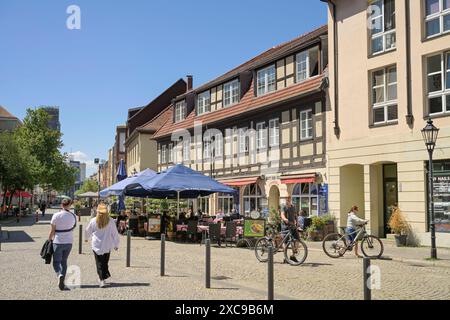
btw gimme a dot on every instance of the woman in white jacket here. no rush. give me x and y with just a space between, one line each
103 231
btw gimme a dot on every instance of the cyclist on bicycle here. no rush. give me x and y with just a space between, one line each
353 224
289 223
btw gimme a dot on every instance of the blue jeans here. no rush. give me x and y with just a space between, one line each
351 235
60 255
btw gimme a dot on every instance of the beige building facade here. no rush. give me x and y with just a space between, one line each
389 70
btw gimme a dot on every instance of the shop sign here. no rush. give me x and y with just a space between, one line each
254 228
441 192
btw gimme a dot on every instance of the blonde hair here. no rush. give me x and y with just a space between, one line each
102 218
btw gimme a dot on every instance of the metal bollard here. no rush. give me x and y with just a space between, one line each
270 274
208 264
37 216
163 254
80 239
366 277
128 248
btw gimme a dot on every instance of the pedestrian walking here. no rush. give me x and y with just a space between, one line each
43 207
105 237
62 225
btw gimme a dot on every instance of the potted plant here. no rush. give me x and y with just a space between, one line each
399 227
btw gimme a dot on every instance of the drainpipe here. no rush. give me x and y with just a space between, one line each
409 114
337 129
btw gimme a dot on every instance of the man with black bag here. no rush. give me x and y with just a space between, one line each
62 225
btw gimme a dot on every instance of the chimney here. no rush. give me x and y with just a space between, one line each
189 81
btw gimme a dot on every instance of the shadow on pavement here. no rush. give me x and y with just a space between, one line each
115 285
18 236
217 288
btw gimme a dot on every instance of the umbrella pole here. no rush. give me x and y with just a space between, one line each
178 205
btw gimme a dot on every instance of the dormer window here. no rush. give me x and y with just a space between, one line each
203 103
266 80
231 93
180 111
307 64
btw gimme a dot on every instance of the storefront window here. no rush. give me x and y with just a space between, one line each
252 199
226 203
305 196
203 204
441 188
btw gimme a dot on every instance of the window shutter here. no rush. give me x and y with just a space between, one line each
245 79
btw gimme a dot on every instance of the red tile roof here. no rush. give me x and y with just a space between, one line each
248 103
6 114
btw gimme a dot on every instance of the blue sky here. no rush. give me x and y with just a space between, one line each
127 52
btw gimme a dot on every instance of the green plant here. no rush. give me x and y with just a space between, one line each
274 217
77 205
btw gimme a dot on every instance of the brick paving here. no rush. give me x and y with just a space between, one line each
236 273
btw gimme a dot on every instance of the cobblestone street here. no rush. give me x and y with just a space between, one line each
236 272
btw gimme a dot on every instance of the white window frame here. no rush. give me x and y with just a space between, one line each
233 89
170 158
300 62
218 145
274 132
207 149
204 102
444 92
438 15
164 154
269 80
261 141
180 111
186 150
383 34
306 125
243 140
386 103
225 198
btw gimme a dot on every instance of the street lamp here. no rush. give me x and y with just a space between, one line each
430 135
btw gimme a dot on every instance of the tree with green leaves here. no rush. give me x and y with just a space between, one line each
50 169
88 186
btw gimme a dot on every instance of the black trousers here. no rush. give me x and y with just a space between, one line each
101 262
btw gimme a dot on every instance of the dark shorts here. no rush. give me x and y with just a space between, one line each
294 233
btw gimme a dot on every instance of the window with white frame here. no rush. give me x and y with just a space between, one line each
218 145
274 132
437 17
261 135
382 26
438 83
206 149
306 127
186 150
203 204
305 197
231 93
252 197
226 203
171 153
203 102
243 140
163 154
180 111
307 63
266 80
384 95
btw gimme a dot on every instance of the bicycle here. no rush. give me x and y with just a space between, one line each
336 245
293 248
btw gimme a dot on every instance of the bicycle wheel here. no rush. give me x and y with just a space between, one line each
262 249
296 252
372 247
334 245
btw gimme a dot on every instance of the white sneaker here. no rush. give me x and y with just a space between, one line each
102 284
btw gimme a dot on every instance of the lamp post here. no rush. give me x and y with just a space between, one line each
430 134
97 161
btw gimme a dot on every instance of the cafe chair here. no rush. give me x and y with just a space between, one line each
214 233
191 232
230 233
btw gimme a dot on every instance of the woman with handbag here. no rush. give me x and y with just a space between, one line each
105 237
62 225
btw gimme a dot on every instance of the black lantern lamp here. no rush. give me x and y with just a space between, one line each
430 135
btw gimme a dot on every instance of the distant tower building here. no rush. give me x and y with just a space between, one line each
82 172
53 112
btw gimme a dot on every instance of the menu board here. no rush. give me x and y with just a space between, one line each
441 192
154 224
254 228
